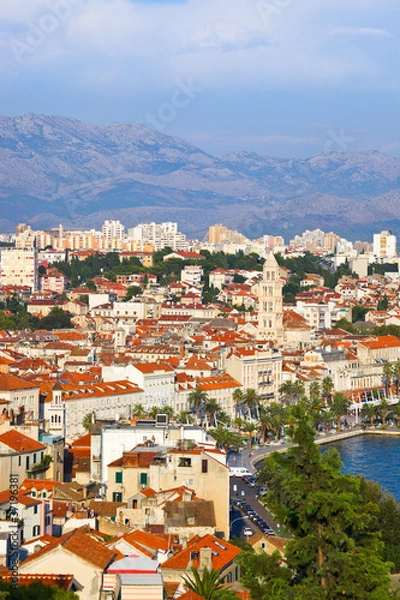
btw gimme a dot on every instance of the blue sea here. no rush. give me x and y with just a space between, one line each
376 457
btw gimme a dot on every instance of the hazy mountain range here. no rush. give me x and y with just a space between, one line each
57 169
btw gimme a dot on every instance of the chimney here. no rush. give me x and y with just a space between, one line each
205 559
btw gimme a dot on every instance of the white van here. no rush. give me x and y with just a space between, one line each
239 472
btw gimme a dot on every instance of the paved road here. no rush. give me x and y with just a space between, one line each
240 489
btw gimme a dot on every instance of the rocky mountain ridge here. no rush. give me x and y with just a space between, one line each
58 169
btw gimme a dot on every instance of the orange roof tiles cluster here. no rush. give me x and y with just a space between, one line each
20 442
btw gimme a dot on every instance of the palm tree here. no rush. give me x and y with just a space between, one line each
197 398
273 417
292 391
87 421
185 417
167 410
383 409
327 417
339 406
327 387
315 393
388 373
250 428
211 408
396 376
205 583
153 412
138 411
252 400
396 413
238 398
239 424
369 411
225 438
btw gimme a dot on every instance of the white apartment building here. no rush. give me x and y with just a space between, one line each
385 245
156 380
192 274
107 401
161 235
113 230
322 316
19 267
257 369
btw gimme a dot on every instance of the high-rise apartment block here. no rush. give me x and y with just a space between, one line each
19 267
160 235
385 245
113 230
219 233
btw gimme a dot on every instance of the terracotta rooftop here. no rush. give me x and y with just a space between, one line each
223 553
78 542
19 442
11 383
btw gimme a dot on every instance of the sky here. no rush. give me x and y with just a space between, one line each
290 78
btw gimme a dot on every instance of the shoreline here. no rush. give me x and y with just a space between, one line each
254 463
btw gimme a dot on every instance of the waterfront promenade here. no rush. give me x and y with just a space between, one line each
251 460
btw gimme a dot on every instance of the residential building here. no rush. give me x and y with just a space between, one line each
385 245
19 266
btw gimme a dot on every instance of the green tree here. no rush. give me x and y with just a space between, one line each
388 372
36 590
339 407
369 411
196 399
87 421
384 408
292 391
334 551
211 408
138 411
327 388
251 401
238 398
207 584
132 291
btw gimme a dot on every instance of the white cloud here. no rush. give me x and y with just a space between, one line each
361 32
219 43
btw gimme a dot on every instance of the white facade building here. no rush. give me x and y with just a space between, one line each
385 245
156 381
19 267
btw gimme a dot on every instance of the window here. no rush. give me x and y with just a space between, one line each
48 520
117 496
204 466
36 531
118 477
19 460
184 462
143 478
34 458
35 510
27 462
44 494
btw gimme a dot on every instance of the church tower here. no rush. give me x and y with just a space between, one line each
270 312
56 411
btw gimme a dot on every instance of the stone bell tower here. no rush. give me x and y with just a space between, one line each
270 312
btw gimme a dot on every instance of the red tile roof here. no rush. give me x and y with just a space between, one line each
11 383
83 546
62 581
223 554
19 442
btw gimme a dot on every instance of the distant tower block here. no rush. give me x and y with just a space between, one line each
270 317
